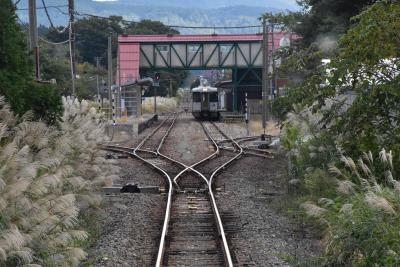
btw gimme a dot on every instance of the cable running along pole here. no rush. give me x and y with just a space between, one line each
97 80
33 34
72 44
273 78
264 73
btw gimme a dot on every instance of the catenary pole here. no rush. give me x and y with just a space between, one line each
264 73
71 11
33 34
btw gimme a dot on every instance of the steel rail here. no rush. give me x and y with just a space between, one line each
213 175
186 167
264 153
133 152
209 183
220 227
169 197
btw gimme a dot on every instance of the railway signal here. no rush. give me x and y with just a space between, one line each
157 76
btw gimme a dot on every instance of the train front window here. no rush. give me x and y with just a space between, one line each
196 97
213 97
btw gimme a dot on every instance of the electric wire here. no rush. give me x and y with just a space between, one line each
40 37
42 7
172 26
81 14
51 22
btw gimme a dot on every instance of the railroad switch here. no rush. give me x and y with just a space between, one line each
130 188
109 156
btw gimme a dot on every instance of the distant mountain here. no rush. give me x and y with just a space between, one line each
279 4
171 12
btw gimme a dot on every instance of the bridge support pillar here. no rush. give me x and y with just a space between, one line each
235 85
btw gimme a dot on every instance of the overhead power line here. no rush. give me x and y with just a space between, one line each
40 37
43 7
51 22
172 26
81 14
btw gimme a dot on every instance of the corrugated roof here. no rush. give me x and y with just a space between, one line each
190 38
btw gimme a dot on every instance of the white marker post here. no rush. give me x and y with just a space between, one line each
246 114
113 105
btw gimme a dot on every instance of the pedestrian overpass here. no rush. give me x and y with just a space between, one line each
242 53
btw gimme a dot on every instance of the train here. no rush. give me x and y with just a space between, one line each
205 101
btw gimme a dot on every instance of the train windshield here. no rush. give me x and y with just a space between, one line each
213 97
196 97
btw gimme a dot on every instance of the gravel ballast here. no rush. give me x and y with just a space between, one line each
248 194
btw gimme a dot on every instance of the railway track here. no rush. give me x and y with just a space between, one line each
193 232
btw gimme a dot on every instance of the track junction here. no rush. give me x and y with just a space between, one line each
193 233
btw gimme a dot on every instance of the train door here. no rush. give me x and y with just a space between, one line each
196 101
204 102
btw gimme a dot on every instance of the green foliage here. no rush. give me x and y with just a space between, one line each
149 27
45 102
15 66
364 235
92 35
369 71
348 107
16 72
328 18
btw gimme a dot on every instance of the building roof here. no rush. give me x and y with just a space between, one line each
190 38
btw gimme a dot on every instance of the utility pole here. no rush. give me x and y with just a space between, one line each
97 79
275 91
33 33
110 79
265 67
71 11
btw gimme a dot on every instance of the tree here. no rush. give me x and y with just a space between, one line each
92 34
328 18
320 25
149 27
16 72
15 67
367 65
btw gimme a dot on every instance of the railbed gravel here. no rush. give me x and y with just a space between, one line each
249 192
187 141
130 224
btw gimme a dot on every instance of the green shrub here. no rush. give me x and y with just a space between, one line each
45 103
16 72
361 214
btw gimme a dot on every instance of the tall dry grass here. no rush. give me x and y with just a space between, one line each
48 180
363 219
164 104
